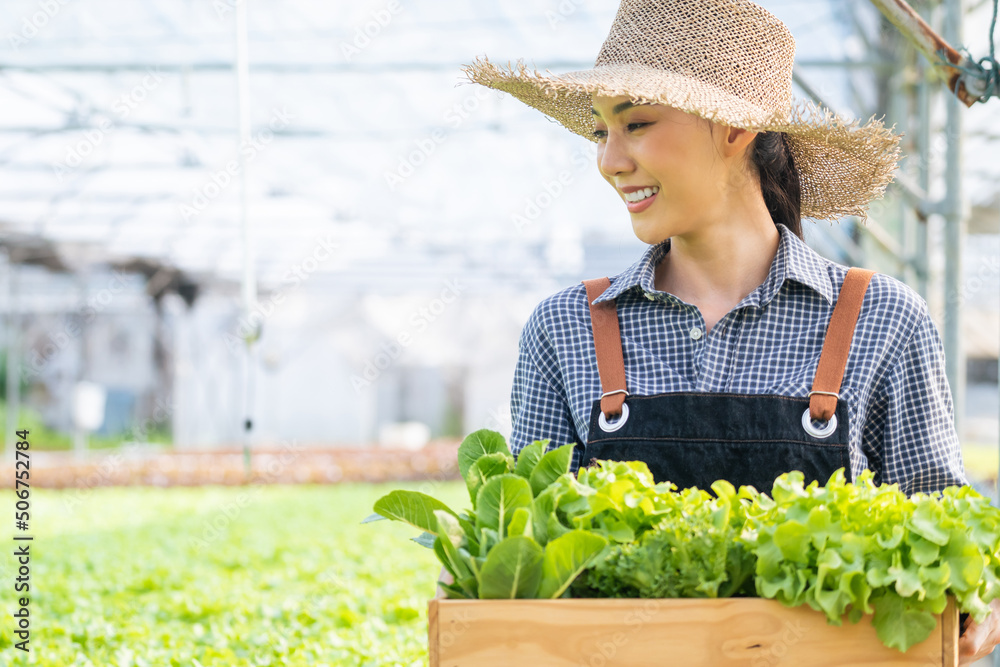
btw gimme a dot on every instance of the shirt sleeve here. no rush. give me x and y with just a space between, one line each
538 408
913 428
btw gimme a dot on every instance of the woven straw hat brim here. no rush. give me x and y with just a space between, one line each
842 165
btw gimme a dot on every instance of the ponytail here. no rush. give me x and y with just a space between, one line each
779 179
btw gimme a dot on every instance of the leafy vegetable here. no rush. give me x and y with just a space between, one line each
497 500
513 569
550 467
518 540
693 551
536 530
413 507
486 466
854 548
565 558
483 441
528 458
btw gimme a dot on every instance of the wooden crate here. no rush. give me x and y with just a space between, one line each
731 632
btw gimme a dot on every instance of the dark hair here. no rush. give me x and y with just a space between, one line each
779 179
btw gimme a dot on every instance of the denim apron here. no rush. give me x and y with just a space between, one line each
695 438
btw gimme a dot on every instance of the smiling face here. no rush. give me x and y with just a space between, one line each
687 165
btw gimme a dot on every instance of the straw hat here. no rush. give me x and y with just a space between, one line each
729 61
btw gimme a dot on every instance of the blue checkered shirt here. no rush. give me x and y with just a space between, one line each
900 404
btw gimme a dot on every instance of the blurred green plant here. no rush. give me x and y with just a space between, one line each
221 576
47 438
23 383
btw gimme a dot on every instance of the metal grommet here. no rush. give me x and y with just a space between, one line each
824 432
618 423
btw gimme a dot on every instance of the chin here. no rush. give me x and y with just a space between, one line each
650 233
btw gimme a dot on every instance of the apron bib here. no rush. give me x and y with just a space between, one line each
695 438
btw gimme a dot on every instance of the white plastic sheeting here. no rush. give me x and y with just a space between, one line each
118 127
374 180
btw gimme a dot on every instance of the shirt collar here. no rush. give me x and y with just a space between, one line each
794 261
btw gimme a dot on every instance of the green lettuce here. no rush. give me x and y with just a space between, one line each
518 539
853 549
535 530
687 545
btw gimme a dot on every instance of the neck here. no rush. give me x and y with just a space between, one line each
716 265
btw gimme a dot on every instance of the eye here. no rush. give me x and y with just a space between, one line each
601 134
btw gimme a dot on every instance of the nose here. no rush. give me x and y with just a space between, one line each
612 156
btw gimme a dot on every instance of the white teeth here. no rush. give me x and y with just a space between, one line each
639 195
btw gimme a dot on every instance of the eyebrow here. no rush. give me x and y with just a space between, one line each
618 108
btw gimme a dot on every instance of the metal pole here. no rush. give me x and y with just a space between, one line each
923 37
924 142
13 362
898 113
954 234
249 261
79 434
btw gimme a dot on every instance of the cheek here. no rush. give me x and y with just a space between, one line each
671 169
679 167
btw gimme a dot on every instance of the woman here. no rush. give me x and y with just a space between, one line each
730 349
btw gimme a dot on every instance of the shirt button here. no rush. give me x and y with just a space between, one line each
650 296
695 333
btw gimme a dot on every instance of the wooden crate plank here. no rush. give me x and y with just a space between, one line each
432 633
747 632
950 632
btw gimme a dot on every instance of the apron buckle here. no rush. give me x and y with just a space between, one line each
825 393
615 391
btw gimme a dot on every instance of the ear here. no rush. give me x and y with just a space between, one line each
733 140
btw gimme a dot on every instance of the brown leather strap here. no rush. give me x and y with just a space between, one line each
608 344
839 333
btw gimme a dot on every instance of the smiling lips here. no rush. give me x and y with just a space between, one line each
639 199
640 194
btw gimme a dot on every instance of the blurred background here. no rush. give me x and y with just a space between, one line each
230 230
384 202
